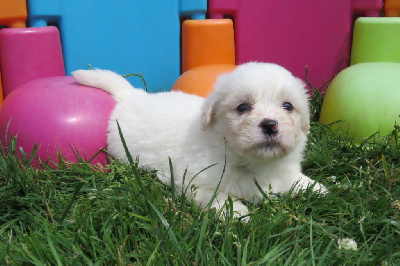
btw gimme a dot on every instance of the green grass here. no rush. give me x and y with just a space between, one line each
83 215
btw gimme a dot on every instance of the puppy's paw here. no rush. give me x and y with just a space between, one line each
238 210
306 182
318 187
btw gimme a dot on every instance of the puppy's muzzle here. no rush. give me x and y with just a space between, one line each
269 127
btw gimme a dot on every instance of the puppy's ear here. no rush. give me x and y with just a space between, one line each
305 114
305 124
208 111
210 105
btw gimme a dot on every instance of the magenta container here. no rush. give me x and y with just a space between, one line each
295 34
58 115
29 53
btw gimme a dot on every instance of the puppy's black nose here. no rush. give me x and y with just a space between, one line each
269 127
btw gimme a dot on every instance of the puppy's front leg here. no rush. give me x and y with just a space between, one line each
220 201
304 182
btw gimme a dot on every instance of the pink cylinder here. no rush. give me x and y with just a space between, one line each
29 53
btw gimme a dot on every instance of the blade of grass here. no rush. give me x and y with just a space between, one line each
170 233
6 133
274 253
219 183
191 180
323 258
201 237
140 76
71 201
311 242
33 155
133 166
51 245
152 257
171 169
265 196
244 257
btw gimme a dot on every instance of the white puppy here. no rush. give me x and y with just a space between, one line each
253 126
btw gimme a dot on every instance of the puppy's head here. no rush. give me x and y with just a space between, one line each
261 109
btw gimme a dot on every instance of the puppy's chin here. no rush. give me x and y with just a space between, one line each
267 149
261 147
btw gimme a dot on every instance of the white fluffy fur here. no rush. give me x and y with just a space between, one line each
197 133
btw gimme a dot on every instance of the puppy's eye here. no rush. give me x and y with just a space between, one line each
242 108
287 106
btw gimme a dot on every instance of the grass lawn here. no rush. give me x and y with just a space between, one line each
80 215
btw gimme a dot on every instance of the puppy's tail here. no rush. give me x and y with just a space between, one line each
108 81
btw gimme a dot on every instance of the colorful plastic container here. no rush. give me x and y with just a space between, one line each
392 8
295 34
29 53
126 37
363 100
60 116
207 42
1 91
200 80
376 40
13 13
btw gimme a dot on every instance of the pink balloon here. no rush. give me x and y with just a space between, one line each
58 114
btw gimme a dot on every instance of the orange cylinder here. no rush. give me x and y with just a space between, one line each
13 13
200 80
206 42
392 8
